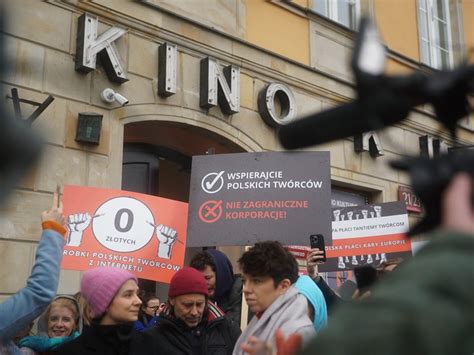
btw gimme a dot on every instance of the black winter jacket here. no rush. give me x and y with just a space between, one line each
215 336
232 303
103 340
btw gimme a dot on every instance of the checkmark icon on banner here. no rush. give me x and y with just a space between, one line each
210 184
213 182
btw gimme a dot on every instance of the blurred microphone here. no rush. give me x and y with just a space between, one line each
378 111
19 147
385 100
382 100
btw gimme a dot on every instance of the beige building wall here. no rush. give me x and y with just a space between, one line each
468 15
271 27
227 16
398 26
41 40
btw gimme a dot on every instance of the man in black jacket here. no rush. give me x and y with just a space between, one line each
190 324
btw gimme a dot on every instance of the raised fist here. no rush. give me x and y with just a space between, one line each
167 236
77 223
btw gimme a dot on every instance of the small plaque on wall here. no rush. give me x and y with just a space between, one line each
411 200
89 125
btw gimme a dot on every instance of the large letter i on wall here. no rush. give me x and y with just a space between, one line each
89 45
167 69
219 86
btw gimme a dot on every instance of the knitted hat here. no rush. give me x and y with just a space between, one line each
99 287
187 280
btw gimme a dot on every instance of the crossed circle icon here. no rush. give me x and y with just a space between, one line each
210 211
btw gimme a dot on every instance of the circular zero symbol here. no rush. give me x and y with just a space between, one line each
128 220
122 224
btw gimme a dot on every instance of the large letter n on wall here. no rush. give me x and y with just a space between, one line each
368 142
89 46
219 86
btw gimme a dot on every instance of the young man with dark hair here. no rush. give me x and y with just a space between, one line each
224 288
269 272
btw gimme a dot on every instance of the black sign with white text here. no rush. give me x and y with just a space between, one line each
239 199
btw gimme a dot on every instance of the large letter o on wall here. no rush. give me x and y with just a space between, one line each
267 108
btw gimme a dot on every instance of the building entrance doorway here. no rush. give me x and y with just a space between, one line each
157 159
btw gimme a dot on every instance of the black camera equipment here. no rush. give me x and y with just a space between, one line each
385 100
429 178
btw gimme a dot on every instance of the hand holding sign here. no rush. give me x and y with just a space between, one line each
167 236
77 223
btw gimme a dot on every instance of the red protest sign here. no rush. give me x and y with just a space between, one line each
300 253
143 234
367 234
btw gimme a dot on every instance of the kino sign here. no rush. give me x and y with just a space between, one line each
217 86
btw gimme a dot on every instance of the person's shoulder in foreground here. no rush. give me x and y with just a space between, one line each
425 306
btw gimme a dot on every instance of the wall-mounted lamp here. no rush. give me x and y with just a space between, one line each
89 125
109 96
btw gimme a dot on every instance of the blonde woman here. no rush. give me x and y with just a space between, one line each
60 323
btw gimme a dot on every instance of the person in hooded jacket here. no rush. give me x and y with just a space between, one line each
112 295
59 324
224 288
85 310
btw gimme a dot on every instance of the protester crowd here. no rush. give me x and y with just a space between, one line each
424 306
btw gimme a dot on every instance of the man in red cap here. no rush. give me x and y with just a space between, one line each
190 324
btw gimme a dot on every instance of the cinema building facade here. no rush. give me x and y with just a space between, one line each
192 78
